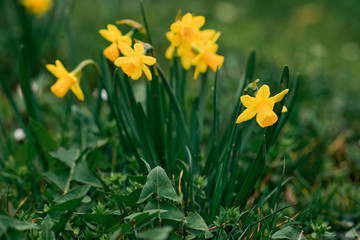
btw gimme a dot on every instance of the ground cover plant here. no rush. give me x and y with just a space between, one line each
168 142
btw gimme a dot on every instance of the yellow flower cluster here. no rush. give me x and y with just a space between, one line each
37 7
133 62
114 35
194 46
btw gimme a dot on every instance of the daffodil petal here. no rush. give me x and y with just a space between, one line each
198 21
137 74
263 93
75 88
148 60
62 86
176 26
186 19
139 49
61 69
119 61
284 109
206 34
248 101
125 49
147 72
186 62
169 52
106 35
247 114
196 73
54 70
112 52
278 97
125 39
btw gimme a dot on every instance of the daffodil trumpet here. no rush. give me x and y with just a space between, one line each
262 106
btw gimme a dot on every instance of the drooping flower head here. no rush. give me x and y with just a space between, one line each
37 7
114 35
262 106
65 81
194 46
134 62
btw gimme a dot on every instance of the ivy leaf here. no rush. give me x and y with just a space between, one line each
76 193
156 234
196 222
46 232
158 182
67 156
288 232
172 212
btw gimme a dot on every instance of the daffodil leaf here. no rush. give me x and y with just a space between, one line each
158 183
252 176
250 67
270 131
25 84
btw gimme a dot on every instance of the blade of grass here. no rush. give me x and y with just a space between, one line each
145 21
13 105
25 83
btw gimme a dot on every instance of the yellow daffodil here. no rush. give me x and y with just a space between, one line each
134 61
113 34
207 57
194 46
65 80
183 33
37 7
262 106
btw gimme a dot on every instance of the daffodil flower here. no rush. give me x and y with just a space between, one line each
37 7
65 80
183 33
262 106
194 46
207 57
114 35
134 61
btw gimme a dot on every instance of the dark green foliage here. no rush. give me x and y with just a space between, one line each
164 159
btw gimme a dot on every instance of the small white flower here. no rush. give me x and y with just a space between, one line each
19 134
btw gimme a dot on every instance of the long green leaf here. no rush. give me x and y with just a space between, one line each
254 171
270 131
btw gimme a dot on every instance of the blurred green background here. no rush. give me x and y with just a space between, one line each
320 40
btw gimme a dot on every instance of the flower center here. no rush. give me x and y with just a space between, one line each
188 34
266 116
129 67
